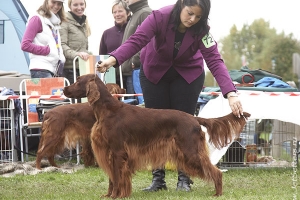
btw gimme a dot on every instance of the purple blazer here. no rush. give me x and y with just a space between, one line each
155 38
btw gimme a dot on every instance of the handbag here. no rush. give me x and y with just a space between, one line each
45 105
246 75
59 69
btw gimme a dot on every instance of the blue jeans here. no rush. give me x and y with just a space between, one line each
137 85
129 86
69 74
40 74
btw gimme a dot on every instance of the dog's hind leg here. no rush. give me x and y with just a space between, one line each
40 153
196 162
38 161
39 158
87 153
45 149
51 161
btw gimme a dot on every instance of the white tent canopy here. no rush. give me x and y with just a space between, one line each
13 18
284 106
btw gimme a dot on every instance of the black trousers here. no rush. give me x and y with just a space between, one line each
172 92
69 74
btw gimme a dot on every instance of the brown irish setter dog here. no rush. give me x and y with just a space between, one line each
64 126
115 89
122 144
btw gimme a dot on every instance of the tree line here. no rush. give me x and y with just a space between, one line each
259 47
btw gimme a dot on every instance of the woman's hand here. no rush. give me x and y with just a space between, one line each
83 55
235 104
103 66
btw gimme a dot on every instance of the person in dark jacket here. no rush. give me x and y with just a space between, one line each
140 10
175 41
112 38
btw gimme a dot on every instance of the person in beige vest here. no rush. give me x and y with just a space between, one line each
74 37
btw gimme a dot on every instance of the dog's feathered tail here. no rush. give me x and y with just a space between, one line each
224 129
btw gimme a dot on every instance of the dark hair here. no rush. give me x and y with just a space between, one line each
45 12
200 27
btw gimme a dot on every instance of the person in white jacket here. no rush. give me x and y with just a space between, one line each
42 40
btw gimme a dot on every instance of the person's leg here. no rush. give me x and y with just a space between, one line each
155 96
158 181
40 74
184 181
137 85
69 74
184 97
171 92
129 87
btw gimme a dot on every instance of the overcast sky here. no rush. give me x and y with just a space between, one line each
282 15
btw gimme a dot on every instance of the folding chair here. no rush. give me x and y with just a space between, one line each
88 67
31 90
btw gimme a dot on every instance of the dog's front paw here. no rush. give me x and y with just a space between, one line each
105 196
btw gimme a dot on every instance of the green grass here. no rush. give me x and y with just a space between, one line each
91 183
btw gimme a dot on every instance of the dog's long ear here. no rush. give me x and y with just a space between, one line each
92 92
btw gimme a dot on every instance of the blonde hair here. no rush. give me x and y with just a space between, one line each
87 25
45 12
70 2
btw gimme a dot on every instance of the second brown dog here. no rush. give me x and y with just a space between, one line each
64 126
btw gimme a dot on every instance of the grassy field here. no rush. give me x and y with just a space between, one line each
91 183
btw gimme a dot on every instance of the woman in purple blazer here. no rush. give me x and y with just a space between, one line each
174 43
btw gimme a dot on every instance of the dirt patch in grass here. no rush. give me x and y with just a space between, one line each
28 168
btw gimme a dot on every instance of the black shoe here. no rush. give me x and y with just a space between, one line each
184 182
158 181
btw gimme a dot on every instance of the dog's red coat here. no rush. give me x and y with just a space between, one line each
64 126
122 144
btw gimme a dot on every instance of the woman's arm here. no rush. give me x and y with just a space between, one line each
143 35
69 53
34 27
209 49
212 57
